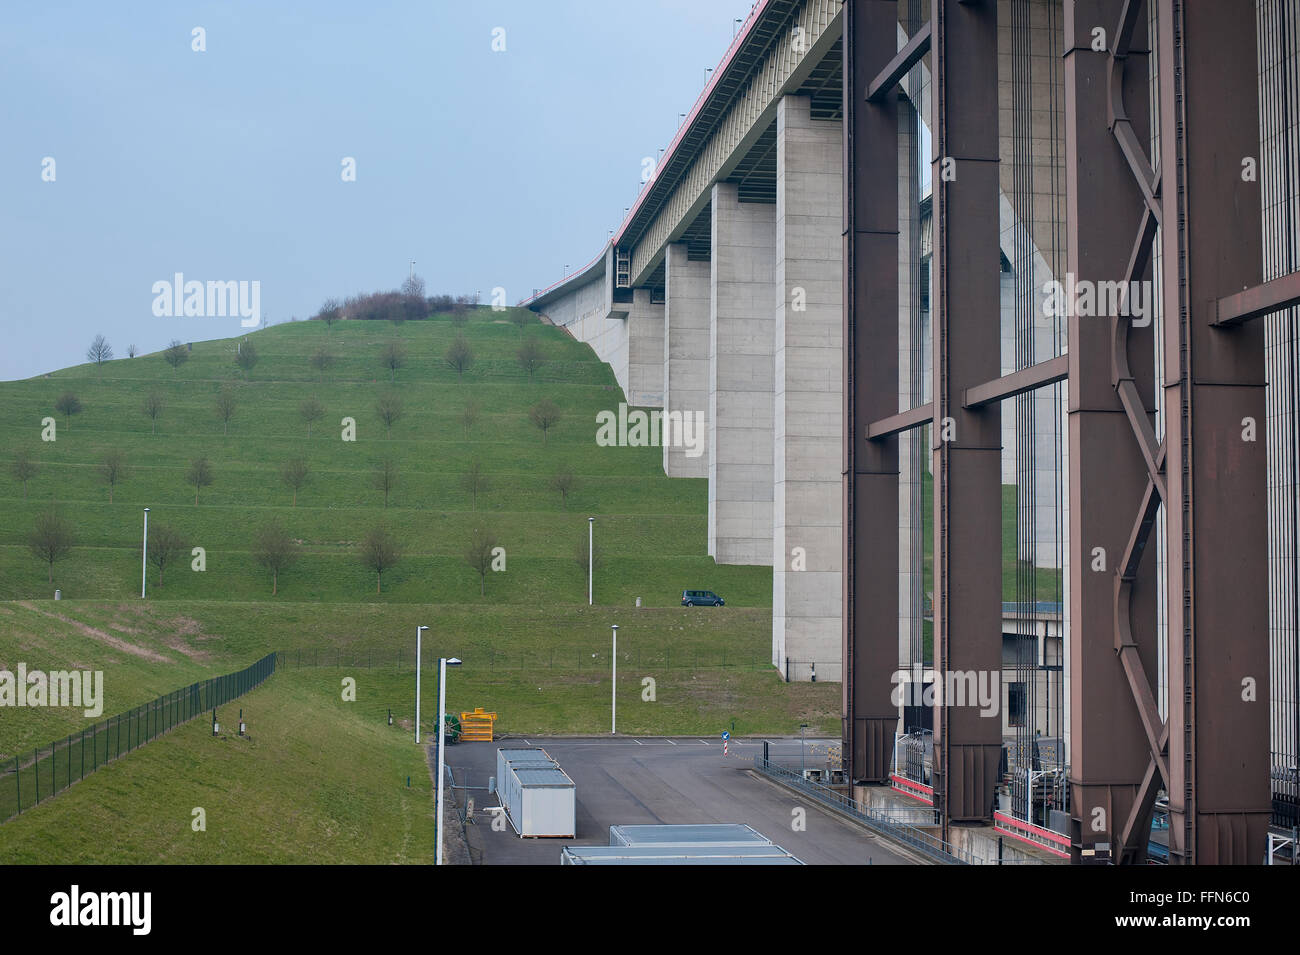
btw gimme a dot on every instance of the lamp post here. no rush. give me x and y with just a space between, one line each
443 663
144 555
418 631
613 685
802 727
591 558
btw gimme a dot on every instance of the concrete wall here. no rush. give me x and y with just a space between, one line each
583 311
807 534
686 353
645 351
741 379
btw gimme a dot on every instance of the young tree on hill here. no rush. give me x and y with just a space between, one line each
246 357
275 550
166 546
311 410
225 406
474 481
460 356
153 407
67 404
564 482
130 351
99 352
50 540
521 317
413 287
393 357
176 354
321 361
23 469
479 556
330 312
384 477
545 415
389 409
112 469
469 417
529 357
459 316
380 551
295 475
199 473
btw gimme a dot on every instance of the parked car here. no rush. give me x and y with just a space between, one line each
701 598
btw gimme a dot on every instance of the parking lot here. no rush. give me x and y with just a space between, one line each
651 780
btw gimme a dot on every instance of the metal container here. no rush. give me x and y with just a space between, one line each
542 802
719 834
677 855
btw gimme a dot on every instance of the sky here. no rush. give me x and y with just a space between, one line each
129 156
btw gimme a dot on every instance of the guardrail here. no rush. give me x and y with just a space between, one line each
897 824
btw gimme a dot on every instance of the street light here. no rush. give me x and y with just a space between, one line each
802 727
613 686
418 631
443 663
144 555
591 557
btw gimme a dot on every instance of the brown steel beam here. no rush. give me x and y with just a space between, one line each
1280 293
870 393
1017 383
967 442
1110 479
1216 509
893 73
895 424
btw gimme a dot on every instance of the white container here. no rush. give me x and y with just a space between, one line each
542 802
708 835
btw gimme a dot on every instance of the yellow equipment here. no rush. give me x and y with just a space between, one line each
476 727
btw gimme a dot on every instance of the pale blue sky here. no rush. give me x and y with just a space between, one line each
487 168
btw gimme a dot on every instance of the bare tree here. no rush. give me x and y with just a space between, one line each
153 407
469 417
176 354
246 357
311 410
545 415
275 550
474 481
389 409
384 477
380 551
225 406
413 287
99 352
199 473
166 546
112 469
521 317
564 482
330 312
460 356
393 357
529 357
322 361
460 317
130 351
295 474
23 469
67 404
479 556
50 539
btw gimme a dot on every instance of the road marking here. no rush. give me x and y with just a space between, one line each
639 743
670 741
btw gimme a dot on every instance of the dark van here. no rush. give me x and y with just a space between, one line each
701 598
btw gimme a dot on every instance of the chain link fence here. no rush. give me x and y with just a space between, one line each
555 658
27 780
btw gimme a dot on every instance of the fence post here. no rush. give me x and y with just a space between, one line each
36 765
18 782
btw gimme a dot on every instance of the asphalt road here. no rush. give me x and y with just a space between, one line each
649 780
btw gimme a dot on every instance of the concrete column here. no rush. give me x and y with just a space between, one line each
686 360
741 379
807 553
645 342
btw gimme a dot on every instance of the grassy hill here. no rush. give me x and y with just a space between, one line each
534 651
